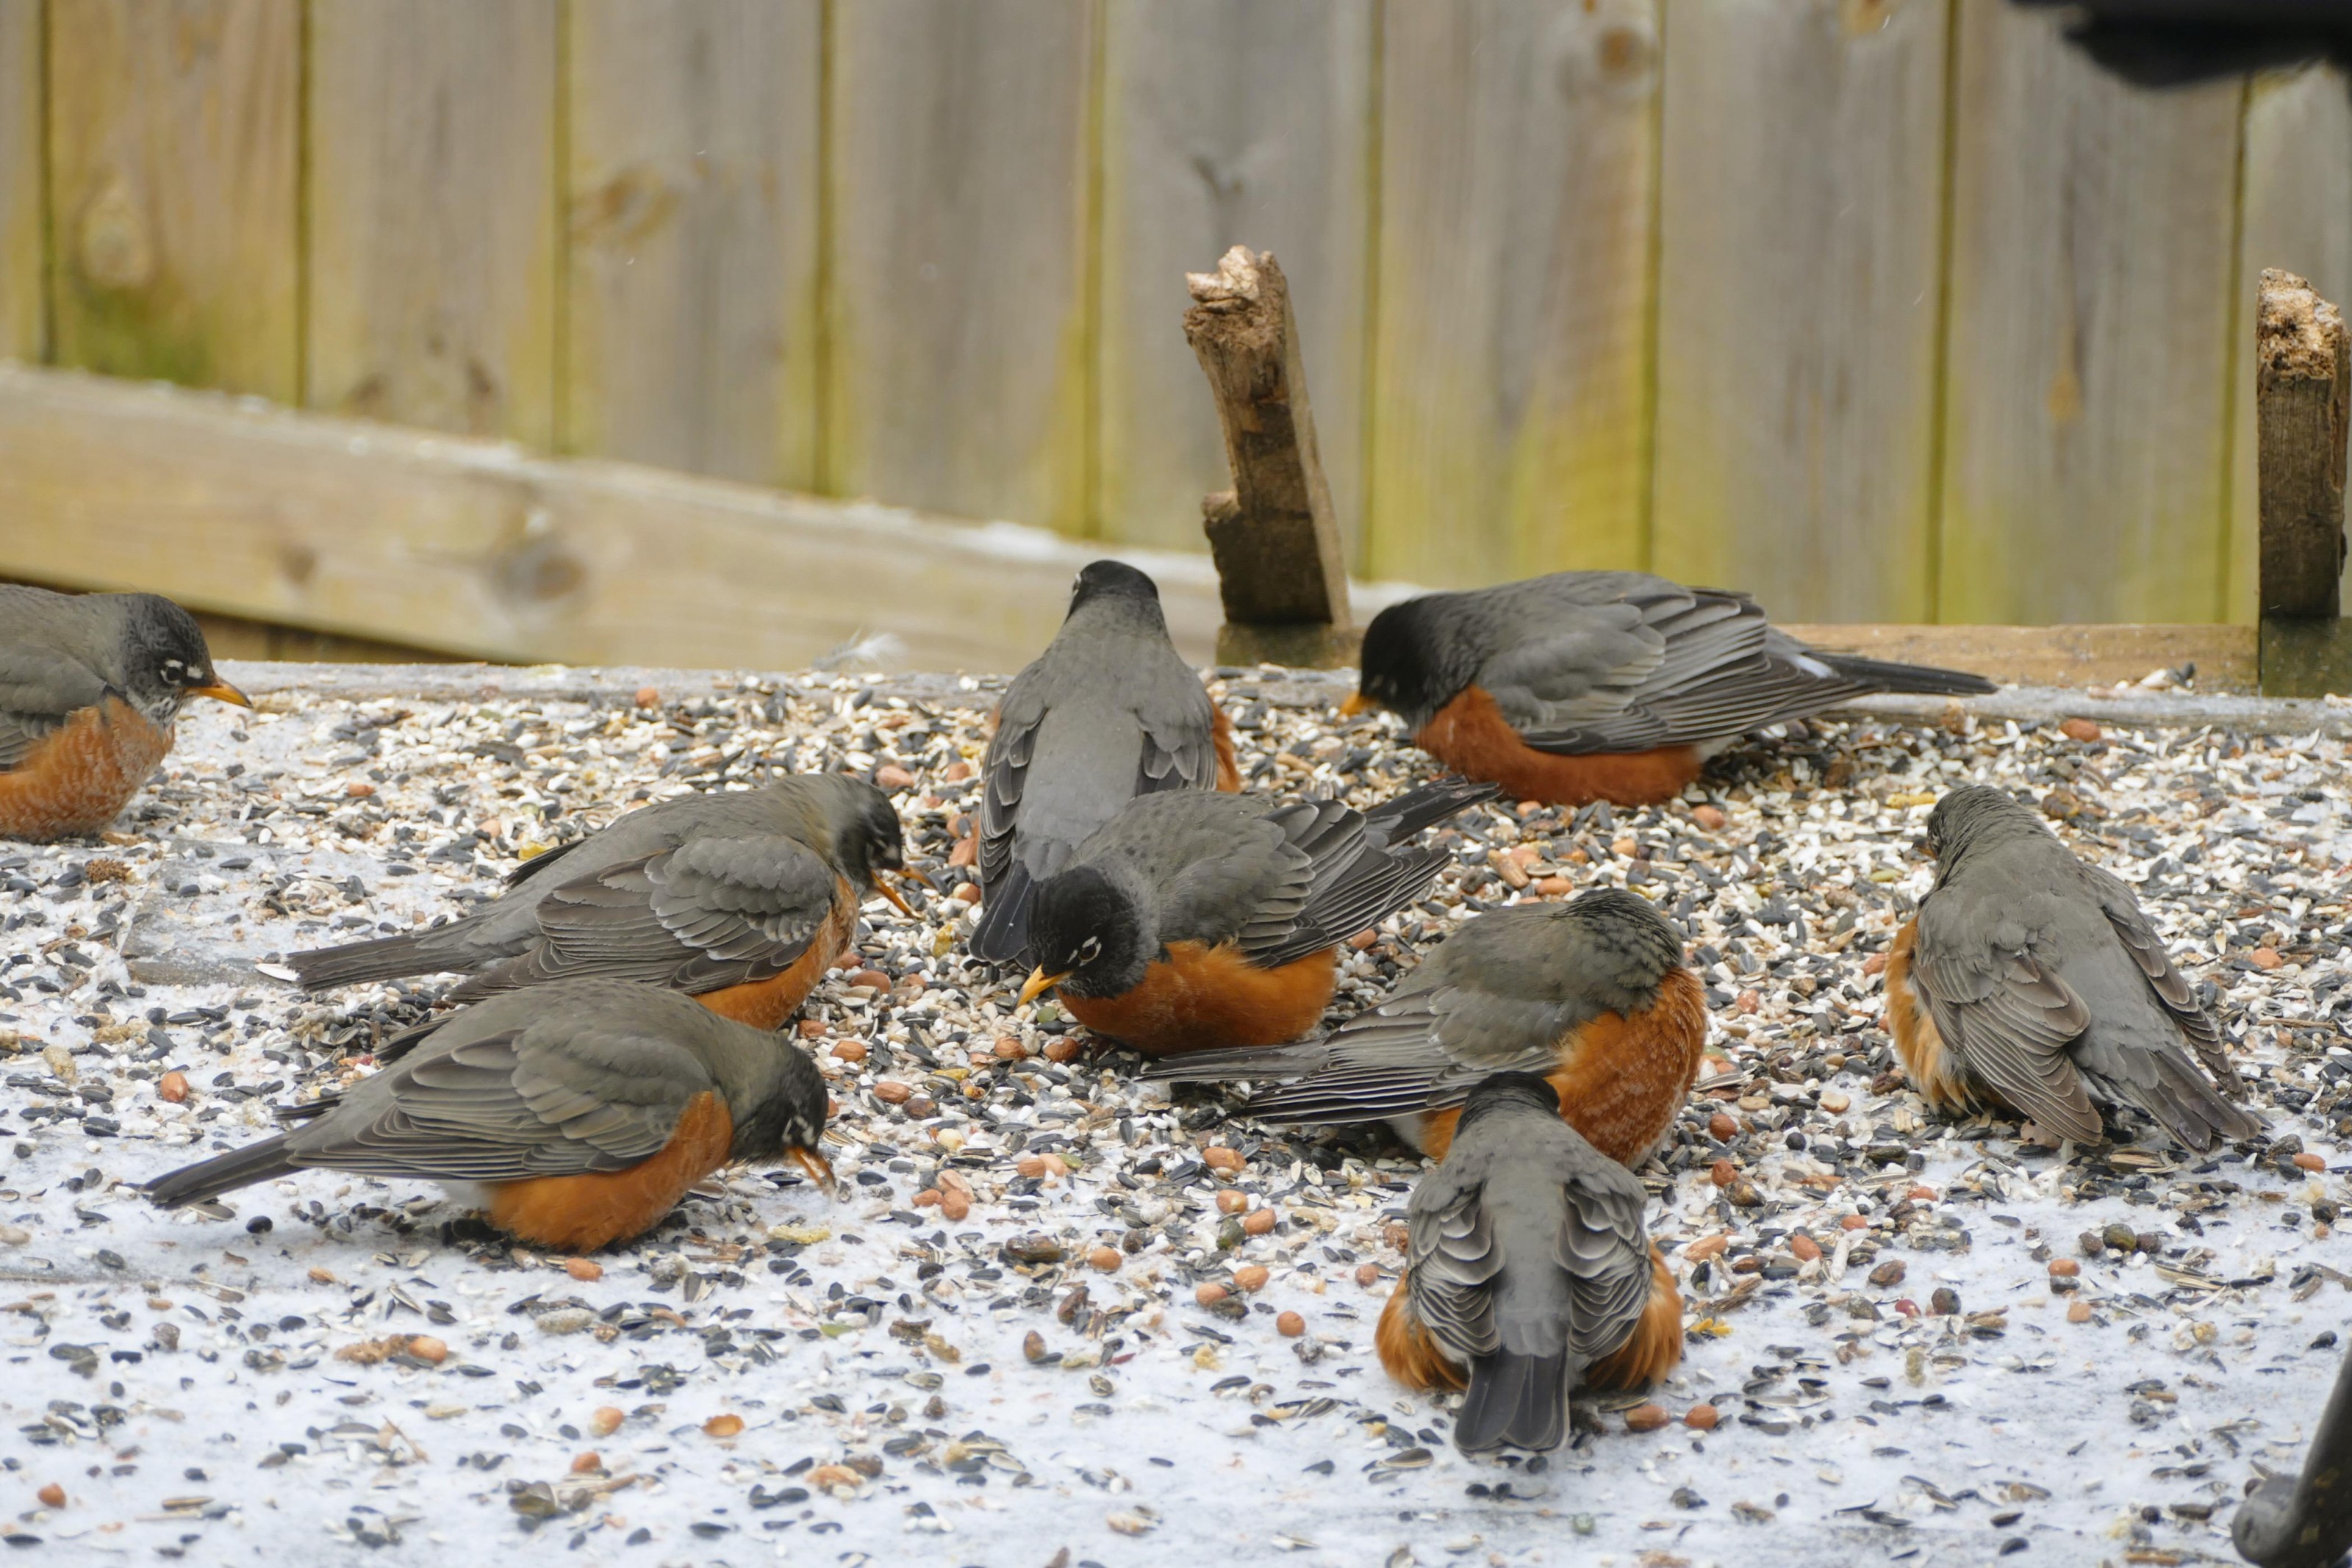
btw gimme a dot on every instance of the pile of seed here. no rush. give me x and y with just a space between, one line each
1054 1307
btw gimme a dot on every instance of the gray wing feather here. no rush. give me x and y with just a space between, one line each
2009 1016
2171 987
1450 1250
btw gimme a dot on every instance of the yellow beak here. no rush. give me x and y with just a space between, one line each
222 690
819 1168
1039 984
894 898
1355 704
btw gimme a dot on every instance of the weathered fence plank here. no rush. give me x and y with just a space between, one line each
433 246
2085 439
2297 215
1800 243
1228 122
692 201
24 313
174 150
1517 155
959 370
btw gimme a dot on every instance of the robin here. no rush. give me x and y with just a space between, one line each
1602 685
1193 922
1108 712
1591 994
573 1116
1525 1276
2032 982
741 900
90 684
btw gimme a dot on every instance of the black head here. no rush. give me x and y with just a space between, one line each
867 837
1526 1090
164 659
1973 813
1088 934
1409 664
1112 580
790 1122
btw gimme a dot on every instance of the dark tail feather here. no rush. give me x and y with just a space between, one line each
1409 813
1243 1063
386 959
1923 680
1514 1400
409 1038
222 1172
2185 1106
1002 935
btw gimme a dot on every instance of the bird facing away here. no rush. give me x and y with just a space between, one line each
2032 982
89 685
1108 712
1527 1274
1193 921
741 900
573 1116
1591 994
1602 685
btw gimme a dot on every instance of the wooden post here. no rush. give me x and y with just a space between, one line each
1276 542
2302 408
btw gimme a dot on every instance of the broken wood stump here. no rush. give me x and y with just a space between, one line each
1274 537
2302 408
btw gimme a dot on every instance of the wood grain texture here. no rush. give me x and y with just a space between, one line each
23 312
1228 122
1517 155
2297 215
692 194
959 364
1800 226
474 546
433 241
174 145
2303 414
2087 394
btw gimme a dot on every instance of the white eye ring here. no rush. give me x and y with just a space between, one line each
1089 950
173 667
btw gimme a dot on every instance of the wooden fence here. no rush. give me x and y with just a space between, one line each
1886 309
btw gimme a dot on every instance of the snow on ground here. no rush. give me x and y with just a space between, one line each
1898 1374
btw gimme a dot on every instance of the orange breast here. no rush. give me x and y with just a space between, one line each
581 1213
1655 1346
1229 772
1470 735
77 778
1208 998
1410 1356
1621 1078
1932 1069
766 1003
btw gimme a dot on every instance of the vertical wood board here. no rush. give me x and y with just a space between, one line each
1228 122
174 132
692 204
433 241
24 313
2297 216
1801 227
960 334
2085 474
1517 156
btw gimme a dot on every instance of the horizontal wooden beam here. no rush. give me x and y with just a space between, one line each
479 548
2223 655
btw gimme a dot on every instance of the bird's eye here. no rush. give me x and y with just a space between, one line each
173 669
1090 949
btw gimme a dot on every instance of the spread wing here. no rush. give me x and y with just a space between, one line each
711 913
1356 873
39 689
2171 987
552 1098
1452 1259
2009 1018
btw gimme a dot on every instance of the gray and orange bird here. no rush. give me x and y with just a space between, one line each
89 686
1108 712
1603 686
2032 982
573 1116
1528 1274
